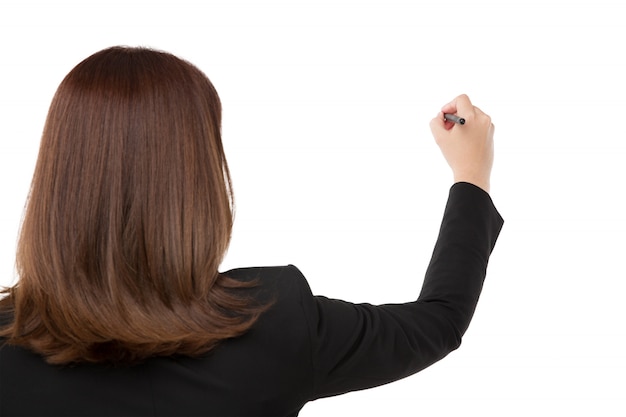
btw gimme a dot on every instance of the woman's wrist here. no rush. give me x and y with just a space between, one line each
483 183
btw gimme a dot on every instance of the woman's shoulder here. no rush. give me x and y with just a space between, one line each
291 305
264 272
279 282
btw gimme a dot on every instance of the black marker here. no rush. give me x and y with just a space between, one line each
454 118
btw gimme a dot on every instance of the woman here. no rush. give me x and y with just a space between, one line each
120 308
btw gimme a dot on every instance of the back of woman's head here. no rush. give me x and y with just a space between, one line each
128 218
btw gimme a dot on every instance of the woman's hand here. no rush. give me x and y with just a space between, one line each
468 148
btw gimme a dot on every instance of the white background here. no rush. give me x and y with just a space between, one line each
326 111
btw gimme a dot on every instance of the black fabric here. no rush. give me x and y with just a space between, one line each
305 347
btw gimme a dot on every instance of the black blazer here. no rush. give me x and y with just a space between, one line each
305 347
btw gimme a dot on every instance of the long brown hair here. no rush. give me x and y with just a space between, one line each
128 218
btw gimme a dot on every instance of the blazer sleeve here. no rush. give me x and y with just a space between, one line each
358 346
